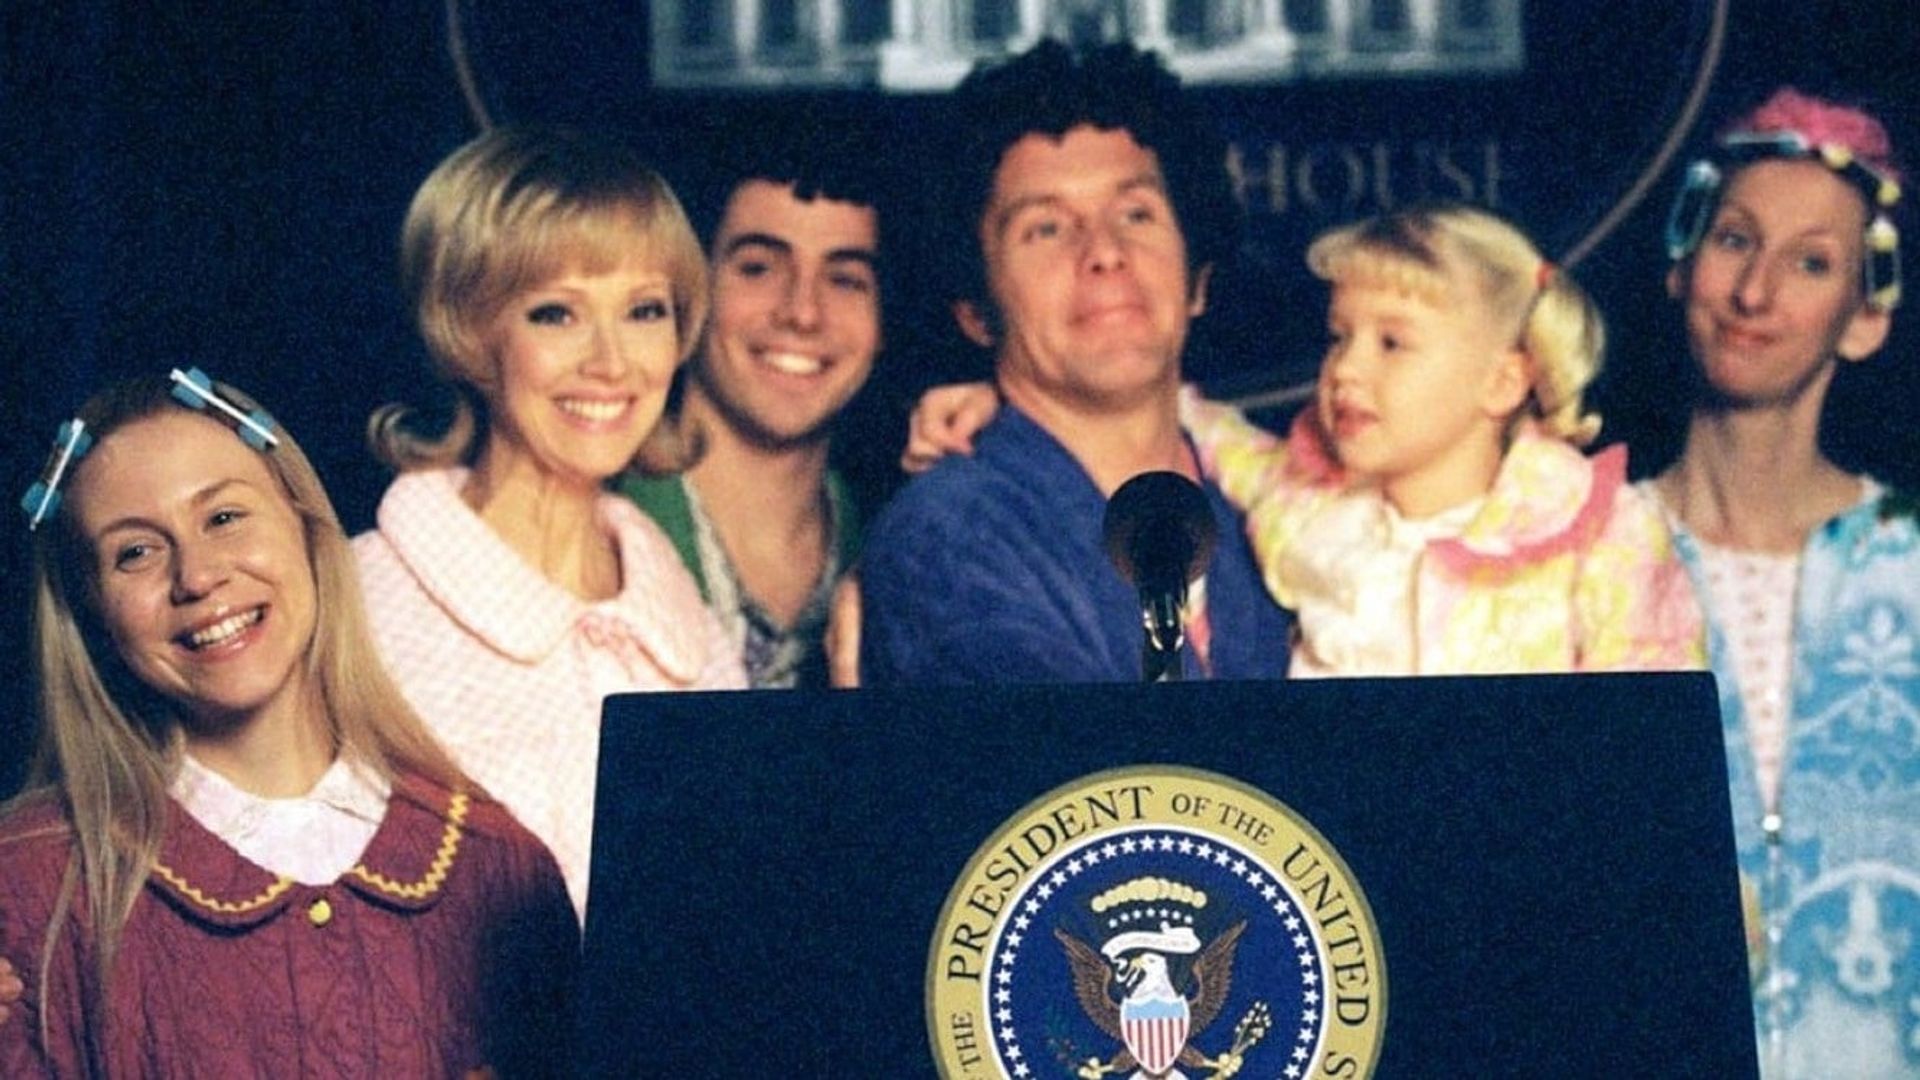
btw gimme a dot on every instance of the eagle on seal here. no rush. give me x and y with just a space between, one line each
1106 992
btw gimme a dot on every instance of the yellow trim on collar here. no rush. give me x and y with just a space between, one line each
272 893
442 859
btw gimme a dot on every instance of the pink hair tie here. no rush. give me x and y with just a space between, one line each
1543 276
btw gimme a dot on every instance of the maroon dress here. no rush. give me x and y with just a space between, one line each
449 947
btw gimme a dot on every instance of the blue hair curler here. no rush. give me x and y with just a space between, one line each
194 389
1692 209
70 443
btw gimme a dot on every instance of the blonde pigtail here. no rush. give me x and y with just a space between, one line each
1565 337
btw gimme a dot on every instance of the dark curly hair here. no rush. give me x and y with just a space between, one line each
1051 89
821 154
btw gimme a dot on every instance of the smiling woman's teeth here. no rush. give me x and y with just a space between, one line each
224 629
592 410
793 363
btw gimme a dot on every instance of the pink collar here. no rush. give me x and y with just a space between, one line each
485 586
1547 498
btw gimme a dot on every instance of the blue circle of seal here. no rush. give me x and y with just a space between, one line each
1245 963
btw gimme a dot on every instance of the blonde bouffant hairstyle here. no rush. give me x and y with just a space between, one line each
109 746
1429 252
511 209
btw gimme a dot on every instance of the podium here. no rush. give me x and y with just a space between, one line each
1546 862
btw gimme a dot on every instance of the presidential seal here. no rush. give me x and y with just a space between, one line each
1156 923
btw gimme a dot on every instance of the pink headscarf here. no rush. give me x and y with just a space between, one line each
1823 122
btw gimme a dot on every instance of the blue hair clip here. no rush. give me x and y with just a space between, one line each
194 389
70 443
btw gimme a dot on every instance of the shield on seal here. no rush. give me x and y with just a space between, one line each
1155 1031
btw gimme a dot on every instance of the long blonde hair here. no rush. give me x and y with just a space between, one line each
109 746
1420 251
511 209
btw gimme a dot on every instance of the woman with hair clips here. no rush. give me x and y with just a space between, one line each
1787 268
243 854
558 286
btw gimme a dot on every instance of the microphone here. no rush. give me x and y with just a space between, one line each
1159 532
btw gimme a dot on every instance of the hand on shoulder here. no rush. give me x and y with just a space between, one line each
945 421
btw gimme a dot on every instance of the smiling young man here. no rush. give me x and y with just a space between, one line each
763 523
1090 206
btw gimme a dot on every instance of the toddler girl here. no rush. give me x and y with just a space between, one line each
1433 512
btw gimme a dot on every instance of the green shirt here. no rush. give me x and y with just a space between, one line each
776 656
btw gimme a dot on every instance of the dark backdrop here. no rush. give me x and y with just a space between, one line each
220 184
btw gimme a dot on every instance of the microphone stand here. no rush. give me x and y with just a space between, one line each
1163 613
1159 533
